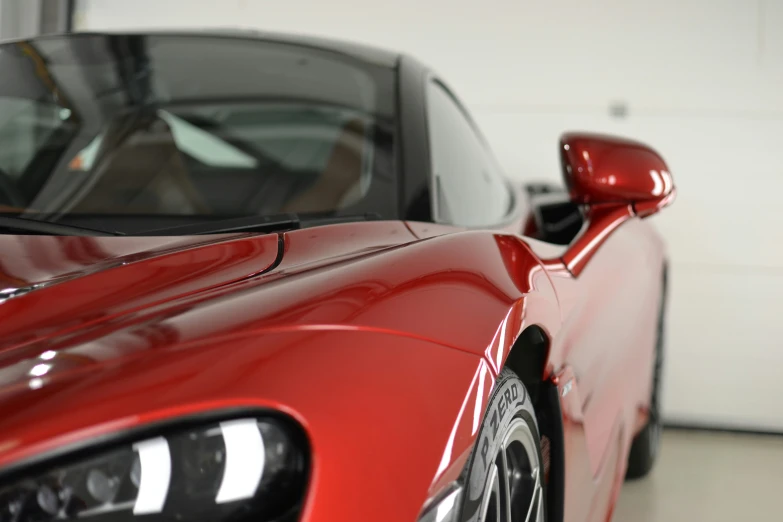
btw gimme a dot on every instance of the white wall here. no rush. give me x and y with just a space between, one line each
703 81
19 19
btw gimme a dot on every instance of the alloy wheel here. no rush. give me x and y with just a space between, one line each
514 492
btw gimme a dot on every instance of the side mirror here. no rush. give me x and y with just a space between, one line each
603 169
616 179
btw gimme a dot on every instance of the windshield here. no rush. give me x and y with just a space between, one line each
133 133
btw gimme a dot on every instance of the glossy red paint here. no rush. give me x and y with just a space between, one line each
616 179
120 279
171 381
606 169
648 208
603 220
604 353
384 353
29 260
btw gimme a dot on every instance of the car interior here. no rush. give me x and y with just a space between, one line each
161 163
556 218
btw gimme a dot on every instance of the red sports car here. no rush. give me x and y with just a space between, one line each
253 277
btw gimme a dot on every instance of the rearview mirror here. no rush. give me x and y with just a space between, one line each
602 169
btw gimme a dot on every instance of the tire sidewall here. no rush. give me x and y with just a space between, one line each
509 400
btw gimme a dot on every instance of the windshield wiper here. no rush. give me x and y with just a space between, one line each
276 223
232 225
20 224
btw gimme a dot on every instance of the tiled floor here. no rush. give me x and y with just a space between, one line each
706 477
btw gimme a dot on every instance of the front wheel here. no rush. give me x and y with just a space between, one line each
505 476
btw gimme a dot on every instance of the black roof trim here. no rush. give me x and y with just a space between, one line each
366 53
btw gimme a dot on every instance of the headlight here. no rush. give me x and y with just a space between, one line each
244 469
445 508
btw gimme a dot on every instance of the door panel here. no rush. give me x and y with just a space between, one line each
607 335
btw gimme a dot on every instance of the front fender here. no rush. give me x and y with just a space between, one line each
475 291
379 409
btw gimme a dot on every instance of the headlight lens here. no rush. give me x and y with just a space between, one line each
445 508
233 470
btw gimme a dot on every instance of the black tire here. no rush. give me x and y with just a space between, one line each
509 423
646 444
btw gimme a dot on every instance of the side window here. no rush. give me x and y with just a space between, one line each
469 189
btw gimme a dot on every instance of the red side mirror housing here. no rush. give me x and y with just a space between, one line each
601 169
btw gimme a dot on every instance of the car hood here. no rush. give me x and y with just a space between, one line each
349 329
29 263
59 293
119 336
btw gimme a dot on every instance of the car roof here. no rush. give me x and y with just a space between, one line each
363 52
